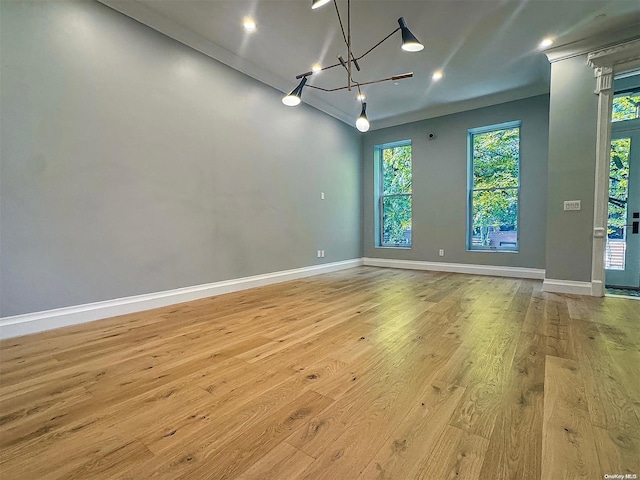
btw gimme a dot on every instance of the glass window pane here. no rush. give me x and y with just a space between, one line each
495 219
396 170
626 107
618 195
496 158
396 220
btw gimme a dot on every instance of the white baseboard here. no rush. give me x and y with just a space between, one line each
515 272
28 323
566 286
597 288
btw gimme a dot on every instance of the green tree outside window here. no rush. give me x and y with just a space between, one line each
495 171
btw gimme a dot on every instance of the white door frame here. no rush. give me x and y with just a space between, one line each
606 63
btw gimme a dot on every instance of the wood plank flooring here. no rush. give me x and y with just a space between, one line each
360 374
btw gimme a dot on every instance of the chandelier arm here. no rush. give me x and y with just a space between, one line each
377 44
395 77
342 62
308 74
344 35
327 89
349 54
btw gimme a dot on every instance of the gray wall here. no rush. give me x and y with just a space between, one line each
572 156
440 185
133 164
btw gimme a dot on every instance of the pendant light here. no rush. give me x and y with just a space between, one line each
351 64
362 123
409 41
293 98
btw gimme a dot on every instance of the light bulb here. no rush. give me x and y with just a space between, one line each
291 100
437 75
318 3
362 124
316 68
412 47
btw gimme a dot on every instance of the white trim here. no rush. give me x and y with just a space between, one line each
597 288
435 111
149 17
587 45
606 63
492 270
604 91
566 286
627 297
25 324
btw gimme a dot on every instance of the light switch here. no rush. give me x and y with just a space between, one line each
572 205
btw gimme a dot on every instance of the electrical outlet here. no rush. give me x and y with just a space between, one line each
441 252
321 195
572 205
319 253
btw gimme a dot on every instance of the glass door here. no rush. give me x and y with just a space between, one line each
622 253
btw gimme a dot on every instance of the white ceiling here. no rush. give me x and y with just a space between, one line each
488 49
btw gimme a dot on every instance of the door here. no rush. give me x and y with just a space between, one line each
622 252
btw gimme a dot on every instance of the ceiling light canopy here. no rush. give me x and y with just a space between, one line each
409 44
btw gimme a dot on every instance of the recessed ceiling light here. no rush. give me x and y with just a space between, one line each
249 24
437 75
396 83
547 42
361 97
316 68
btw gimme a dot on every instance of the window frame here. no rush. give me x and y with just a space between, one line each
634 91
470 190
379 179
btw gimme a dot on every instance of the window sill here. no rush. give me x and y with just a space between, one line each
491 250
391 247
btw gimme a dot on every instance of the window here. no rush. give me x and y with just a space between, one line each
615 250
494 187
394 183
626 106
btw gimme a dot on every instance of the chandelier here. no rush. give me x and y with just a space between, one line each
409 44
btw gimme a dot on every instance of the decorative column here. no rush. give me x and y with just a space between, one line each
606 62
604 90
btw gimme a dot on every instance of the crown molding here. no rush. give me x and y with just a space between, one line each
616 58
590 44
146 16
462 106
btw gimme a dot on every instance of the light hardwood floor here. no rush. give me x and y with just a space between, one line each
361 374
